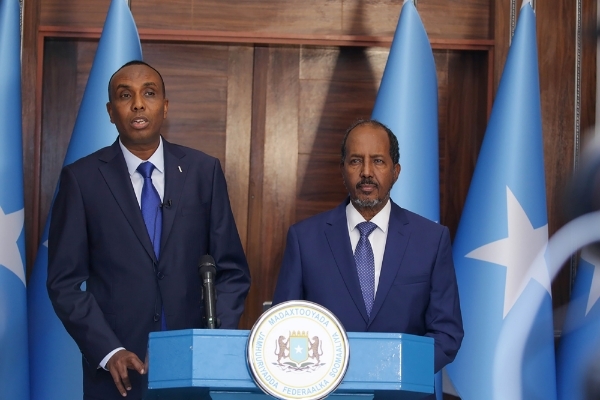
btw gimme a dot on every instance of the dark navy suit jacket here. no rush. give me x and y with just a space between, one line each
97 235
417 292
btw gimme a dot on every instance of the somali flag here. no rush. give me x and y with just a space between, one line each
14 361
504 225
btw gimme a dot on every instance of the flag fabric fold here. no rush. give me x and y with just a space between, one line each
407 104
53 353
14 360
503 227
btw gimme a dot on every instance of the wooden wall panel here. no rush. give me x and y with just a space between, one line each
556 55
441 59
501 22
172 14
337 87
238 134
462 122
268 15
588 66
89 13
196 85
65 74
566 113
463 19
254 252
273 169
30 89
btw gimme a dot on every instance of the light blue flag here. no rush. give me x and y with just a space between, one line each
407 104
579 344
14 360
504 225
53 354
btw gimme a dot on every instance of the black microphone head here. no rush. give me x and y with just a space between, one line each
207 264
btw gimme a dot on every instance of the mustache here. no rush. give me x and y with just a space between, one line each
366 181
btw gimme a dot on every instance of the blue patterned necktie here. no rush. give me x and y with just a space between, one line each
152 213
365 264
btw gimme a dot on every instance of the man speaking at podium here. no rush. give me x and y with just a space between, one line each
132 220
375 265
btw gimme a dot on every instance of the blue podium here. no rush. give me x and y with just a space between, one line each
211 365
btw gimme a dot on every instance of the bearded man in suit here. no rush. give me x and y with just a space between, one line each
375 265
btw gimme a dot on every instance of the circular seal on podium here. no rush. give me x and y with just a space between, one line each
298 350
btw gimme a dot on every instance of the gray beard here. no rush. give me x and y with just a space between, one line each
366 203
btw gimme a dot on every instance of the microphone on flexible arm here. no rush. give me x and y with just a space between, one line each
208 271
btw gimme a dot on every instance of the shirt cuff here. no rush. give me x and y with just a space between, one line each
108 356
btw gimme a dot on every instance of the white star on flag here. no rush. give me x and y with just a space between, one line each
298 349
11 226
517 252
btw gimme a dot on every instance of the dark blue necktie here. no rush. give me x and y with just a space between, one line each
365 264
152 213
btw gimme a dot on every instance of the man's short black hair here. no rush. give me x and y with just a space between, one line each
135 62
394 148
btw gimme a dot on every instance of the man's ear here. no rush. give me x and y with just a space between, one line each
165 108
109 110
397 169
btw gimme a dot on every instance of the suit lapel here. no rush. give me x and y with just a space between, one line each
176 169
117 178
336 232
395 246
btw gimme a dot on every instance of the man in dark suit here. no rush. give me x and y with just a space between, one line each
376 266
132 221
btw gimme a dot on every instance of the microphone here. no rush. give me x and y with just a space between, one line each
208 271
166 204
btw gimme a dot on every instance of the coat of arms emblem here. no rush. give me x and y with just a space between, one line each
298 349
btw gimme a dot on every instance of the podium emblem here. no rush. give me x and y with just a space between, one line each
298 350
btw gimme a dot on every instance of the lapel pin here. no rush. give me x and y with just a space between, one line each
179 168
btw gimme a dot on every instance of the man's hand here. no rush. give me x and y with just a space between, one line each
118 365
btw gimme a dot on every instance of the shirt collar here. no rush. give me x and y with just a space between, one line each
381 219
133 161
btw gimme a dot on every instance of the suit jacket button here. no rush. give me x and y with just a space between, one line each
160 275
156 317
